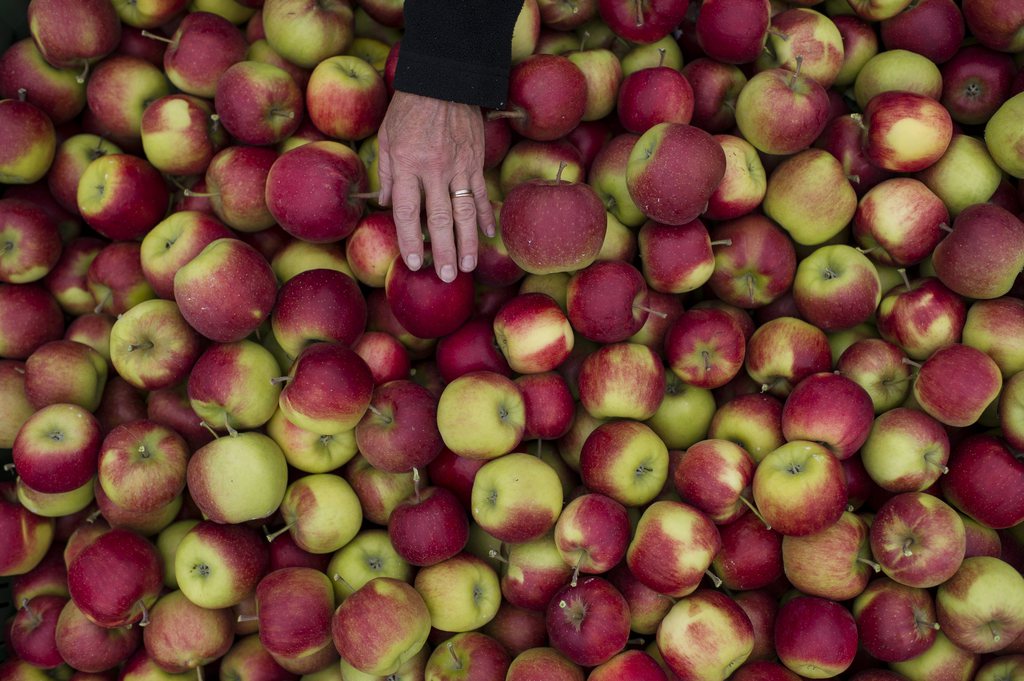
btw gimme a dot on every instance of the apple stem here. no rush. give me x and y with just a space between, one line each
639 12
715 579
145 614
995 634
561 167
504 113
274 535
907 543
757 514
99 307
227 426
416 482
246 618
706 356
379 414
199 195
277 380
750 286
145 345
907 360
722 242
154 36
945 228
656 313
903 274
282 114
778 34
661 56
941 467
20 370
93 517
796 74
874 566
455 658
22 94
206 425
576 569
639 641
80 78
214 122
583 39
865 251
497 556
199 672
338 578
34 616
9 467
926 623
369 196
855 179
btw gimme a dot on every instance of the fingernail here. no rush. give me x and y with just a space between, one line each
468 263
448 273
414 262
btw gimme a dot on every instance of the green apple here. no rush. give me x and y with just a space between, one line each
810 197
944 659
906 451
167 546
232 385
516 498
238 478
322 512
981 607
626 461
461 593
664 52
310 452
369 555
684 415
57 504
966 174
306 32
218 565
495 423
1005 137
897 70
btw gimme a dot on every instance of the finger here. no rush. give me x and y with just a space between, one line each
406 211
439 224
484 210
384 169
465 217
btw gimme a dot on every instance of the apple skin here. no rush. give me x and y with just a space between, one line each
605 302
630 664
625 460
964 260
218 566
975 82
236 181
550 407
995 26
56 92
172 243
780 112
461 593
32 633
809 195
943 658
654 95
56 449
516 498
142 465
295 608
229 313
122 196
807 41
815 637
73 35
672 546
979 608
35 243
115 578
588 622
896 622
549 92
751 554
346 98
664 190
743 186
902 218
423 303
180 136
996 327
249 456
27 161
687 623
979 466
918 539
915 117
152 346
715 86
533 333
830 409
784 351
834 563
921 318
469 656
182 636
757 267
906 451
258 104
471 347
65 371
306 33
90 647
321 217
656 21
429 527
956 384
624 380
248 659
712 475
733 32
800 508
543 663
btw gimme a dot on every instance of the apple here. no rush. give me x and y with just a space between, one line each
899 221
805 41
983 462
549 405
781 111
295 608
543 663
621 380
29 535
371 247
56 449
470 656
667 192
34 242
588 621
29 160
142 465
834 563
173 242
606 301
642 23
744 184
251 457
956 384
526 214
461 593
152 346
712 475
494 428
860 44
815 637
532 160
218 566
236 187
906 451
934 28
425 304
733 32
88 646
896 622
607 177
321 511
232 313
918 539
943 657
784 351
810 197
247 658
547 97
516 498
975 82
603 72
429 527
625 460
800 488
995 27
897 70
533 332
182 636
73 34
258 103
672 547
687 623
306 33
906 131
965 260
654 95
756 267
33 630
750 557
829 409
979 608
231 386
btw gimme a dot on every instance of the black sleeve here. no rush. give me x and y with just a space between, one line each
458 50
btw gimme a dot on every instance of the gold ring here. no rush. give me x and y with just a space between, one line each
462 192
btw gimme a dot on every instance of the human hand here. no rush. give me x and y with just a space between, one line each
436 146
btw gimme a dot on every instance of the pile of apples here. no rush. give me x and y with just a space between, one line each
736 392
